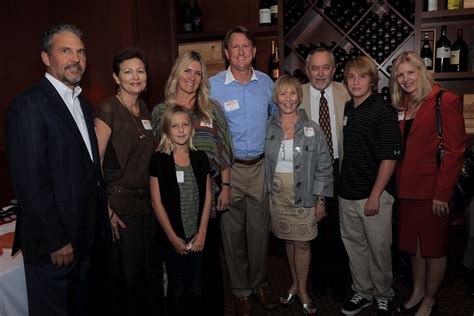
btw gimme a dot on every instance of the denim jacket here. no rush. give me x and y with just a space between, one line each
312 167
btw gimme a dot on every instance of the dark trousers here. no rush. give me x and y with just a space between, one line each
213 283
58 291
329 261
184 295
134 276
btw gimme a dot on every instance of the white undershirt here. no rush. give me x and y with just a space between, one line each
285 157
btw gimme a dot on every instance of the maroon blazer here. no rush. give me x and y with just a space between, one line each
418 175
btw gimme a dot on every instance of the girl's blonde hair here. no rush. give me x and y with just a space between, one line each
166 145
424 83
202 106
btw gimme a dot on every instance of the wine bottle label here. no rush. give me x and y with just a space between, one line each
274 9
428 62
276 73
188 27
265 16
443 52
454 4
432 5
455 57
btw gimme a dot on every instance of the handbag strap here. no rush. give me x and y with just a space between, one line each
439 124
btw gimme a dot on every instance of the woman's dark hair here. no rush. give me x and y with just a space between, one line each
126 54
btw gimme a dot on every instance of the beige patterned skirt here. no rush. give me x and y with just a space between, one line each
287 221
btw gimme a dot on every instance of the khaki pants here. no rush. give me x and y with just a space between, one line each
367 240
245 229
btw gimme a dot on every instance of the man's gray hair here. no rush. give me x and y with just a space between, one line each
321 50
47 36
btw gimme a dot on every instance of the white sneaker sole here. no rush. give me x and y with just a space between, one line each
355 311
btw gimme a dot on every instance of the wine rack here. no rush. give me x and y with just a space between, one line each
378 29
460 83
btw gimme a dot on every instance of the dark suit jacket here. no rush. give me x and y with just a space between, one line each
59 188
417 175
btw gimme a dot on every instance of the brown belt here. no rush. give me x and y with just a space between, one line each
251 161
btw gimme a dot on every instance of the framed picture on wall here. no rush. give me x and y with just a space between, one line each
431 35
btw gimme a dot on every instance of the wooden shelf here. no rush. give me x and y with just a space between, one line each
444 15
465 75
206 36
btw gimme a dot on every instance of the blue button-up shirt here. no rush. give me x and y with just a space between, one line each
246 108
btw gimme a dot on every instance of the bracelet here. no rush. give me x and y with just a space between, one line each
227 184
320 201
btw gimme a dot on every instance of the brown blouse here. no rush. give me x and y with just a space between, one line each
127 157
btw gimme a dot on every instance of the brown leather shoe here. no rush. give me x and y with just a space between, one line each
243 306
265 299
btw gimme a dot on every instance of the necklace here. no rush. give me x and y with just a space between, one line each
141 134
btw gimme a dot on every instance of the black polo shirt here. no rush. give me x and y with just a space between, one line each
371 134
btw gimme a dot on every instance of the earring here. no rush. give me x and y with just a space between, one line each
118 89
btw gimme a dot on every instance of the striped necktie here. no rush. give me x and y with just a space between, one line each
325 123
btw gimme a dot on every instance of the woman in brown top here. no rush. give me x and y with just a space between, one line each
125 137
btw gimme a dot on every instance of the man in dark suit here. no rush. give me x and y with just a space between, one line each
329 260
55 168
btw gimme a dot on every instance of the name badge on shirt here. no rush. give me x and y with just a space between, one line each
401 115
231 105
206 124
344 122
180 176
147 125
308 131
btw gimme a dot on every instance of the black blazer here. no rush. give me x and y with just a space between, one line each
60 189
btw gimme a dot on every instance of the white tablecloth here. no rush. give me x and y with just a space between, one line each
13 300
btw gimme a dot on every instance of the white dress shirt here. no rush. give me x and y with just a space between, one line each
70 98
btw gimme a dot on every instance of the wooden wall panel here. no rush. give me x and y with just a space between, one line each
108 25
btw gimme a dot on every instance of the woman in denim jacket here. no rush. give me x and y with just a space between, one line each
299 177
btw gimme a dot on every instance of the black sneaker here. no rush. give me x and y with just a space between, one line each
384 307
355 305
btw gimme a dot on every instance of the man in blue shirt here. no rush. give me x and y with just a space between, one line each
245 95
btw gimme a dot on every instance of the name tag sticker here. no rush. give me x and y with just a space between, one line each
147 125
206 124
180 176
344 122
401 115
308 131
231 105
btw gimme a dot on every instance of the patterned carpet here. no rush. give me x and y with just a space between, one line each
452 298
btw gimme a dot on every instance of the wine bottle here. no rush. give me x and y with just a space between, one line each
443 52
431 5
274 12
453 4
187 18
197 17
459 53
272 55
427 53
274 63
264 13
